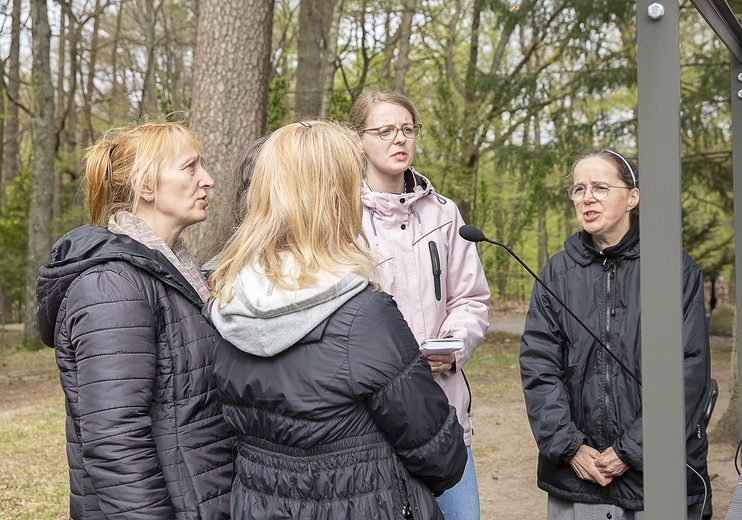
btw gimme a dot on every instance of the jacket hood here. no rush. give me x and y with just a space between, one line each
85 247
264 320
582 249
380 205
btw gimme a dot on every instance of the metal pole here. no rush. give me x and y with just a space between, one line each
736 84
658 60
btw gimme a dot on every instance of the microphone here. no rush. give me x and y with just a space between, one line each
473 234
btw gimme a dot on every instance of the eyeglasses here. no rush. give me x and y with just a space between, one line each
389 132
599 191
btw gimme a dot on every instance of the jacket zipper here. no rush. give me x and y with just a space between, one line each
610 313
435 262
406 507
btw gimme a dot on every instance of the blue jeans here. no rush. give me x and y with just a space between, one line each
461 502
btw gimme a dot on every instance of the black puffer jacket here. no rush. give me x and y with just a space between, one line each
145 434
577 394
346 423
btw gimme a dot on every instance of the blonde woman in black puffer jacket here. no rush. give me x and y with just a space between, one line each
122 307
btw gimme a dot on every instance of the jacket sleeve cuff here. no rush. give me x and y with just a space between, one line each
629 453
578 439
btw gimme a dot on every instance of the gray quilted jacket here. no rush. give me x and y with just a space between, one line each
145 433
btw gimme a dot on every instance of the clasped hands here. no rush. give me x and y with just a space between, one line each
591 465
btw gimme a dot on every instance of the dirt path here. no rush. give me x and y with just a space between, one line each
504 449
505 452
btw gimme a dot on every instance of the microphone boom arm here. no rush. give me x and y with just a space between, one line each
481 238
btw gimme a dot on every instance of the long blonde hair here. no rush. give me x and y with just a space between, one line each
124 161
304 200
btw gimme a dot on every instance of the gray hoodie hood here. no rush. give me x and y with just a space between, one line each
264 320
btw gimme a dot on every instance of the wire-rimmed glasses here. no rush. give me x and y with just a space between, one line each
600 191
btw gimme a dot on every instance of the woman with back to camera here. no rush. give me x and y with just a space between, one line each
584 408
122 306
434 275
336 413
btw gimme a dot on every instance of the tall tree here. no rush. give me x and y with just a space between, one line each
148 105
330 27
39 220
316 56
405 34
10 162
61 68
87 129
309 59
60 117
113 93
67 126
230 90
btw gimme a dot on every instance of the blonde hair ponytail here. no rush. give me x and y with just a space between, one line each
123 161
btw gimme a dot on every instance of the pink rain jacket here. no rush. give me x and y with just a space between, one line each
434 275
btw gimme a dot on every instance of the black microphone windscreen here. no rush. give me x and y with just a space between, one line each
471 233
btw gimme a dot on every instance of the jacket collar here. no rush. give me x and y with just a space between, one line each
582 249
264 320
417 186
88 246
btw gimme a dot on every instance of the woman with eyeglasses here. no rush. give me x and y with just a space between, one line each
434 275
585 409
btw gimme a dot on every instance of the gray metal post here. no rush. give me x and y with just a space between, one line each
661 241
736 78
724 22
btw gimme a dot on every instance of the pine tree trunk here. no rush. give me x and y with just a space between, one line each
403 59
60 117
39 218
87 128
230 91
331 24
309 60
112 100
148 107
61 68
10 164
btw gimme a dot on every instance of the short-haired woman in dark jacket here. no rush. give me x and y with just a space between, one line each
122 306
585 410
336 412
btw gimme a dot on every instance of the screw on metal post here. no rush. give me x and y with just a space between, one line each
656 11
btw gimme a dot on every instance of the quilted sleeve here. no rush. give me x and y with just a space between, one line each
404 400
113 332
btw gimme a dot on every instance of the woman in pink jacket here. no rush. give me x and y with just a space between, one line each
434 275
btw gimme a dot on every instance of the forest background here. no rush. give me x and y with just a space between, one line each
509 92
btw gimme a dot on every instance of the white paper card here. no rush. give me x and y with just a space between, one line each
441 346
